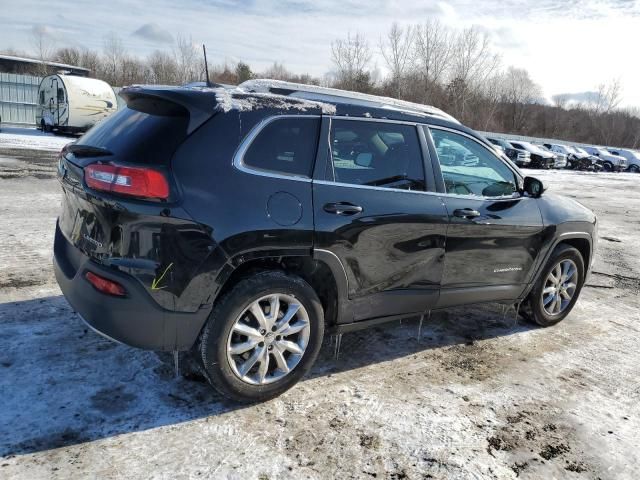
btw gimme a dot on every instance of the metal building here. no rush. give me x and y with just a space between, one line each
19 86
18 98
31 66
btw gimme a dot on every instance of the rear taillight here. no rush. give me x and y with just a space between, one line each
105 285
133 181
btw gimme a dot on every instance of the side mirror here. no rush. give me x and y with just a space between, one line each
533 187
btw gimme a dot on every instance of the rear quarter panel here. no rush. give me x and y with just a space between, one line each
233 204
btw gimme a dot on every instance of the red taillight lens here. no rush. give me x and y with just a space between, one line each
134 181
104 285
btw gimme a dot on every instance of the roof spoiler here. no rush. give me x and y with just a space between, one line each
200 104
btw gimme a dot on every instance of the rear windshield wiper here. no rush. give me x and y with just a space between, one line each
87 150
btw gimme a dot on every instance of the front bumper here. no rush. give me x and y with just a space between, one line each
560 163
136 319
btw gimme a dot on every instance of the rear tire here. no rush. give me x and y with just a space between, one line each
634 169
234 336
557 288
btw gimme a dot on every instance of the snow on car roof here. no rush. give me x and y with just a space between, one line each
239 99
314 92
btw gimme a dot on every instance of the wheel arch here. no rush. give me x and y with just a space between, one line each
581 241
321 270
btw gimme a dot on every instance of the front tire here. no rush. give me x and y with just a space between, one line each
557 288
262 336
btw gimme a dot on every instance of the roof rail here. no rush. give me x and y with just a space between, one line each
314 92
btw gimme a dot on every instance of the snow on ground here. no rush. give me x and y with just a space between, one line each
31 139
481 395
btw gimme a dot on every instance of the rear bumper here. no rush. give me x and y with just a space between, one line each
136 319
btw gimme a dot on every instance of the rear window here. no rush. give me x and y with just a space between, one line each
139 137
286 146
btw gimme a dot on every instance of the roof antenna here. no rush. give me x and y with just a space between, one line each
206 67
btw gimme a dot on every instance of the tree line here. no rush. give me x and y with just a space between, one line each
456 70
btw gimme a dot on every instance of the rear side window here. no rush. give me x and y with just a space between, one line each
285 146
377 154
138 137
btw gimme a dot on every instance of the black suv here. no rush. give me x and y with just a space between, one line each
521 158
244 224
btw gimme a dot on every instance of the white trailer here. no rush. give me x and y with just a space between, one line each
72 104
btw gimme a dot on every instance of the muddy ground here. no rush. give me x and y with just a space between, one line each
480 395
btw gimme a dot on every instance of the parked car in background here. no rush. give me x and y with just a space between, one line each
560 157
240 225
519 157
540 158
632 157
610 162
583 160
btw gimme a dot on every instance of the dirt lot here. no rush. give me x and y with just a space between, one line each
480 396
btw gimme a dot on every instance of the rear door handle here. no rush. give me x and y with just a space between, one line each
466 213
342 208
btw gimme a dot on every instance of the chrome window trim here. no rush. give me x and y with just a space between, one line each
473 197
372 187
372 119
238 157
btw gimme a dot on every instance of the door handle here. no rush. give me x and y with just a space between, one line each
342 208
466 213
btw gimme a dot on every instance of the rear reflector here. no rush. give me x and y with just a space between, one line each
133 181
105 286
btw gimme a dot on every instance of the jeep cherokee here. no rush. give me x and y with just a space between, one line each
242 224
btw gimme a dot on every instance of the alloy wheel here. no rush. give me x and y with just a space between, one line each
268 339
559 287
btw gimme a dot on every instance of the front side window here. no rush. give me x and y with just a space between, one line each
285 146
377 154
468 168
60 95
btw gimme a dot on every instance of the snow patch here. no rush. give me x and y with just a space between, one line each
32 139
239 99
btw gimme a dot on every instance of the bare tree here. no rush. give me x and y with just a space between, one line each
114 55
473 63
162 68
608 97
560 101
351 58
473 60
396 50
519 91
432 54
277 71
491 96
42 44
91 60
189 60
68 55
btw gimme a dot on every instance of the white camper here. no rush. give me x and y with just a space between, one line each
72 104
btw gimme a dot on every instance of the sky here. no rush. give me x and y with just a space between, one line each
568 46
